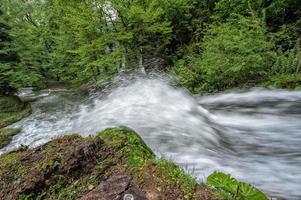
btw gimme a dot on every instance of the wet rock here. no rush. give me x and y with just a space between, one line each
12 109
119 187
10 104
6 135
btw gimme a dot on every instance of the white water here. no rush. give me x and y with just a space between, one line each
253 135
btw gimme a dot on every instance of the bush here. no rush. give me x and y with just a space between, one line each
235 53
288 62
287 81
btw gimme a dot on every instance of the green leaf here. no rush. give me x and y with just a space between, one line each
229 187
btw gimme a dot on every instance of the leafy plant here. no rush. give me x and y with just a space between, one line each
230 188
236 53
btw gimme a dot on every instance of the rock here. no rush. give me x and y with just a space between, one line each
114 165
11 104
118 187
82 157
6 135
12 109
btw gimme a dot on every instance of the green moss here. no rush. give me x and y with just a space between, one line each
12 117
177 177
6 135
12 109
139 159
53 152
50 158
11 166
26 197
10 159
72 189
129 144
10 104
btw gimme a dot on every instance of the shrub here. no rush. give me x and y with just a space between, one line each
234 54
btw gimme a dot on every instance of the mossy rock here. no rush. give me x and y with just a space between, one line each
12 109
6 135
129 144
111 165
10 104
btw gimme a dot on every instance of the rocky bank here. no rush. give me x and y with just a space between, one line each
115 164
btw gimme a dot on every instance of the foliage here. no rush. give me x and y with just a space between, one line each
230 188
246 43
22 52
187 73
274 12
289 81
91 41
9 74
235 52
289 62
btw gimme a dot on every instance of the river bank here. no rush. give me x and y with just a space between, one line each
12 109
116 164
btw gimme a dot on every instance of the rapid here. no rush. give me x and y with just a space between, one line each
255 135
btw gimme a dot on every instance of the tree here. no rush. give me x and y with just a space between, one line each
22 49
8 57
149 31
235 53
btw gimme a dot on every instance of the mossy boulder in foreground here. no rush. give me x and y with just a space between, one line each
116 164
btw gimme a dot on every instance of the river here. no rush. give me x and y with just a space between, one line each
255 135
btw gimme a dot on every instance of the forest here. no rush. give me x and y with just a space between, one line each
150 99
210 45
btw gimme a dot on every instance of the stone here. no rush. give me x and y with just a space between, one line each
117 187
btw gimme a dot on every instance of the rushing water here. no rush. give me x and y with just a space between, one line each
254 135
